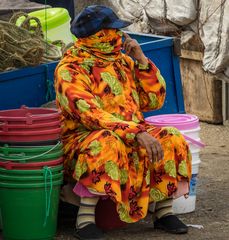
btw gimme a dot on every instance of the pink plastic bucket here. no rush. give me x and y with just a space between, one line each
179 121
183 122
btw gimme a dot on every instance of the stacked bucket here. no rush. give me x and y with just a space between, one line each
31 173
189 126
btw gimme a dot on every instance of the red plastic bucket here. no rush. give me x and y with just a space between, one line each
30 136
30 166
29 116
36 143
5 127
106 215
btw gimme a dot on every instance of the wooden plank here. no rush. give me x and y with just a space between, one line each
178 83
194 55
202 92
225 102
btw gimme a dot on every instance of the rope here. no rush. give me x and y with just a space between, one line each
220 29
165 9
46 26
23 45
213 12
49 86
48 194
48 97
219 35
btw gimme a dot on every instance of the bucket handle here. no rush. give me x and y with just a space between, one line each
193 141
33 157
48 193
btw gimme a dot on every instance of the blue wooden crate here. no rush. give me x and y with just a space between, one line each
161 51
33 86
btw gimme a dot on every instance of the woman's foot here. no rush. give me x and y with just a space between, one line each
89 232
171 224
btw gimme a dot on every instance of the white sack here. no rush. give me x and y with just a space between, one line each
215 35
181 12
133 11
129 9
214 32
155 9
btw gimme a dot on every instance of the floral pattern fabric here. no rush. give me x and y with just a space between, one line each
102 93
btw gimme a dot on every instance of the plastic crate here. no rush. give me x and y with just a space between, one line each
34 86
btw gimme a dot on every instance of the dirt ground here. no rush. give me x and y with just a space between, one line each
212 208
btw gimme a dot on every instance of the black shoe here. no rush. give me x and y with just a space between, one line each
171 224
89 232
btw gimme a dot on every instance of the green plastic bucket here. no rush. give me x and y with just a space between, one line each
0 217
55 23
31 154
29 210
21 179
31 173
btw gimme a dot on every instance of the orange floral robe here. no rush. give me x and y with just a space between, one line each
102 93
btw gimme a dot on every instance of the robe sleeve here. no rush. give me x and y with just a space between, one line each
74 95
151 86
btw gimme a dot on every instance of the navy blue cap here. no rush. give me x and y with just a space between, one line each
95 18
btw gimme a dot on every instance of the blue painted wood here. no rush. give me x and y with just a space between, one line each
26 86
178 84
160 51
31 86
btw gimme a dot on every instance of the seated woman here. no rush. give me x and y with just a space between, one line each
109 149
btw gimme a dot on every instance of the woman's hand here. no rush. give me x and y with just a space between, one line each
133 49
152 146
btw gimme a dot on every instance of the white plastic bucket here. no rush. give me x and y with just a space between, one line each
189 126
192 136
185 205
